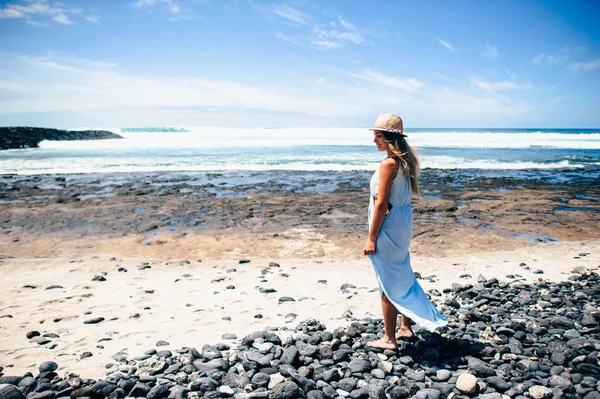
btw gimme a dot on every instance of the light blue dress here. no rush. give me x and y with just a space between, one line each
391 260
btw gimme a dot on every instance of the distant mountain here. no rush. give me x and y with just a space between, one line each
154 129
30 137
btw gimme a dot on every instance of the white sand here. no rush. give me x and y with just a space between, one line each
188 311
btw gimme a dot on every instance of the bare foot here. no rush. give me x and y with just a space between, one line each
383 343
405 333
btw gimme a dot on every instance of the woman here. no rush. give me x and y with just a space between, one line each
390 231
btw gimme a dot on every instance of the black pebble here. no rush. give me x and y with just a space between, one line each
95 320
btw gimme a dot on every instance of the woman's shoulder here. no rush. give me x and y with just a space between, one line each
388 163
389 166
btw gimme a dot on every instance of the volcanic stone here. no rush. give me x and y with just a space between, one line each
540 392
377 373
562 322
10 379
480 368
498 383
315 394
89 392
285 390
290 355
331 375
140 389
43 395
235 380
357 365
27 382
204 384
261 379
342 354
8 391
376 391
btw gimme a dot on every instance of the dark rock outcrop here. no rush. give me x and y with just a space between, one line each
30 137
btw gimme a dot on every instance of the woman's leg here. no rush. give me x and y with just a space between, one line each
405 329
389 323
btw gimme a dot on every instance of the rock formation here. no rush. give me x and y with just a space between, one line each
30 137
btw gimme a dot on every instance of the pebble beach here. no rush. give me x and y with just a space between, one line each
266 294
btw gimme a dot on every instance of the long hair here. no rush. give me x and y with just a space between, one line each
409 161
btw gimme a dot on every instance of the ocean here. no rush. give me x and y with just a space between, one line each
206 149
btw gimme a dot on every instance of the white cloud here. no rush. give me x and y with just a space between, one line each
551 59
492 87
38 8
65 62
63 19
77 87
172 6
335 35
325 44
447 44
586 66
288 39
347 25
491 52
291 14
93 19
406 84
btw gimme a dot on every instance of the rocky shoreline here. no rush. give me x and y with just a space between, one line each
29 137
505 339
261 212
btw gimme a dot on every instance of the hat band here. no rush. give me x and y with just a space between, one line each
397 131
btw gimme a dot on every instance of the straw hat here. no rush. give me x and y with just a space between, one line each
389 123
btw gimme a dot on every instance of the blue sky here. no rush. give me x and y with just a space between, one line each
101 63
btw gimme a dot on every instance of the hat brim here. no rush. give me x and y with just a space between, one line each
388 130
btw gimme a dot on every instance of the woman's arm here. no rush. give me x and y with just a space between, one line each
387 172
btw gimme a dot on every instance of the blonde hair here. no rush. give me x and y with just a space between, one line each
409 160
